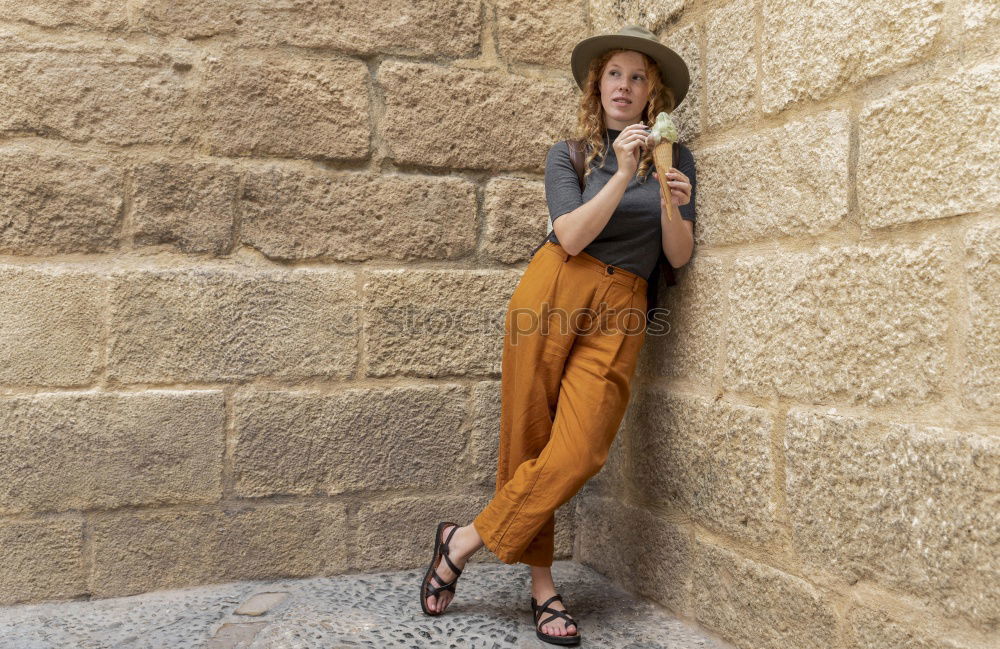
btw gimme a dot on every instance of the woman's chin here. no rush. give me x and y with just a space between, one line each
624 116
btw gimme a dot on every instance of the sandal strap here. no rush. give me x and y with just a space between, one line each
445 551
434 590
451 564
555 597
431 589
441 581
569 621
556 613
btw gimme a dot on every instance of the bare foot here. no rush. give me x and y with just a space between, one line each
558 626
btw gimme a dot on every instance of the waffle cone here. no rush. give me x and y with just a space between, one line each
663 159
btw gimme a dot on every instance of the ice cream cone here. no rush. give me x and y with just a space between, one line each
663 160
664 135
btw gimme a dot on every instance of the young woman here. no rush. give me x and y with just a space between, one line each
577 320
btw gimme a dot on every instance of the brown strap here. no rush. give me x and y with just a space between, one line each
576 155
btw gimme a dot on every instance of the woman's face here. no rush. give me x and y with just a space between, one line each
624 76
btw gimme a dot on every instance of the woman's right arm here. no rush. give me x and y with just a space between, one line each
576 228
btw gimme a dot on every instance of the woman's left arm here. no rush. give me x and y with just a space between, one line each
678 229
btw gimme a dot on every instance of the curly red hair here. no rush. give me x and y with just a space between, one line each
590 115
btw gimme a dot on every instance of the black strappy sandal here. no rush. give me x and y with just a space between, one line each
537 611
440 552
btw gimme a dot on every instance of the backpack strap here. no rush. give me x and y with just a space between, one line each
576 156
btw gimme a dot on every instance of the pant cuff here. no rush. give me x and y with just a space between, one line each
498 549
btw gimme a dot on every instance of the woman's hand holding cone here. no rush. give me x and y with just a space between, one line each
680 188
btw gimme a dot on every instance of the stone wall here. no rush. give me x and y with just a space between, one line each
812 455
213 214
214 217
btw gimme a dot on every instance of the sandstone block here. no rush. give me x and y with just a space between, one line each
754 605
811 51
109 15
42 560
53 202
202 324
68 451
709 458
539 32
516 218
650 556
472 118
111 92
358 217
137 552
436 322
922 154
872 629
286 107
424 28
355 439
611 15
861 324
688 116
51 326
190 206
485 438
911 507
730 67
981 358
980 14
398 533
786 181
684 334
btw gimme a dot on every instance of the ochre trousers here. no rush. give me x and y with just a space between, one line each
572 334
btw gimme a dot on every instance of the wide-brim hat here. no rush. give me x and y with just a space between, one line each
634 37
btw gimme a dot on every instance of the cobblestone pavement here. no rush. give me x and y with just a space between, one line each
491 610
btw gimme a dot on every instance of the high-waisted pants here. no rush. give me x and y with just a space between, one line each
564 391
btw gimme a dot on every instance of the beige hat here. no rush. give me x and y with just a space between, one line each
634 37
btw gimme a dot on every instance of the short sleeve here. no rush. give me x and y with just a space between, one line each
685 165
562 185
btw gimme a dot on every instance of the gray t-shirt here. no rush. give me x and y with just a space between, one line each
632 237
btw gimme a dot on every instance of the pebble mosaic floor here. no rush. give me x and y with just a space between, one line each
491 610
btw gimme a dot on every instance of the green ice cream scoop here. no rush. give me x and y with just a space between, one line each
663 129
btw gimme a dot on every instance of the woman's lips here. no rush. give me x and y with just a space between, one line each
621 102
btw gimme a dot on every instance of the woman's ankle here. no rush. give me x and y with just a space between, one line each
469 539
541 579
